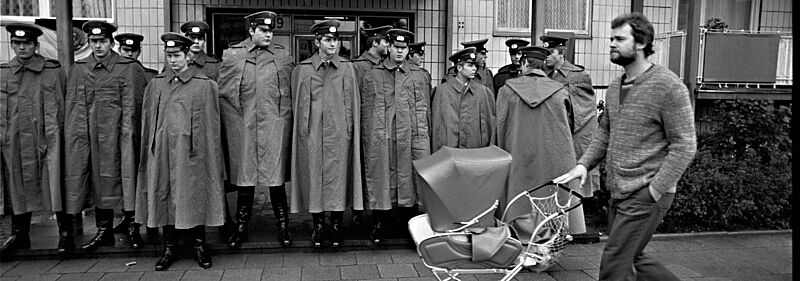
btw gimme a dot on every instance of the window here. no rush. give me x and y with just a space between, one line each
736 14
567 16
84 9
512 17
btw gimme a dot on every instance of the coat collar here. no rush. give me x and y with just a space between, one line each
35 64
459 87
201 58
184 77
108 61
370 57
250 46
316 61
390 65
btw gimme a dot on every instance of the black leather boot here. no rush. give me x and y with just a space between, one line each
132 232
336 229
358 218
201 254
104 218
66 242
317 235
20 233
382 223
244 210
122 226
405 214
281 210
170 248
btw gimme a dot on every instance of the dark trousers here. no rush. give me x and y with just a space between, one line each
631 223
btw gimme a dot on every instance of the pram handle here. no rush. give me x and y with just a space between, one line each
529 191
564 187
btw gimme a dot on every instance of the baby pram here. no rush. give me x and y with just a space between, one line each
459 234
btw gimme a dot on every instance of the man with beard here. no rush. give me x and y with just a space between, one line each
584 106
326 154
646 147
256 107
511 70
101 131
181 169
130 45
394 131
31 127
462 110
208 64
483 75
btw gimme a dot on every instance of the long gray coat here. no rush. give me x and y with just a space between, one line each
181 171
256 106
326 155
31 128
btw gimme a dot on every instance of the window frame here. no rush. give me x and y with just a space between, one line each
585 33
514 32
44 9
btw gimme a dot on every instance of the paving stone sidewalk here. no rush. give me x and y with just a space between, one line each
691 257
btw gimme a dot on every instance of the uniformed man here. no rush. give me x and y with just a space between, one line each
180 128
207 63
102 118
584 103
510 70
31 127
483 75
534 121
256 106
130 45
394 131
326 153
378 49
416 55
462 110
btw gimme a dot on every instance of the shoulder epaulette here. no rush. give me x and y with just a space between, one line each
202 76
213 58
4 65
343 59
235 45
51 63
127 60
278 46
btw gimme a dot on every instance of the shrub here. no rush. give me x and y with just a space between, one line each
741 176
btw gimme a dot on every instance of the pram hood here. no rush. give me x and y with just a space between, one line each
457 185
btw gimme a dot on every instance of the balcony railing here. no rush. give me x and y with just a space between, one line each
731 58
670 51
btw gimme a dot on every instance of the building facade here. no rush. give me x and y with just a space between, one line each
441 23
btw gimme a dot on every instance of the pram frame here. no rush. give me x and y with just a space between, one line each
525 254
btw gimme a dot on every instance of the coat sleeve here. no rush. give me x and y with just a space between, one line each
54 132
492 117
502 105
421 145
131 129
230 78
677 117
76 143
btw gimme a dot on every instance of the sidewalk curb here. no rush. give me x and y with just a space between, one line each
674 236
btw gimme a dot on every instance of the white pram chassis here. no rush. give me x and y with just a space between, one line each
536 249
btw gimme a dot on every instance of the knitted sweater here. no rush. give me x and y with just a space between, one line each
649 138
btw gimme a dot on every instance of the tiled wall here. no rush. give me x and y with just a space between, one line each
478 18
776 15
145 17
430 18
